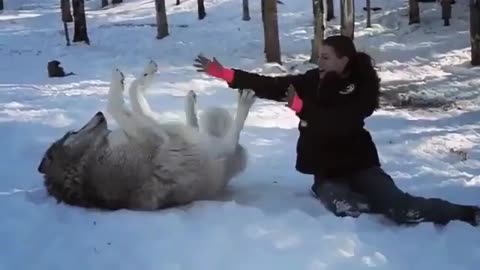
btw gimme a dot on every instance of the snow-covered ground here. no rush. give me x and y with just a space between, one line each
266 219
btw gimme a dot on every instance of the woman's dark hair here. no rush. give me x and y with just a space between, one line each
360 66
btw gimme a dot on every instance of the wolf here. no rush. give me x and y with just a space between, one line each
146 164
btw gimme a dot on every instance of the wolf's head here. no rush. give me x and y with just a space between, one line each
62 164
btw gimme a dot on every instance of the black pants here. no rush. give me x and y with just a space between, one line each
374 191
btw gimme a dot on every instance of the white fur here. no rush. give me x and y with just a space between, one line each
193 158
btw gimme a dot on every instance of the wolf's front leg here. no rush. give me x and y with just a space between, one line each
191 110
116 105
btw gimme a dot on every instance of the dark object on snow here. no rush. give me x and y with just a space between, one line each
372 8
1 4
55 70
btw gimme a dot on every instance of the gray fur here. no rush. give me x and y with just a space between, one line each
146 165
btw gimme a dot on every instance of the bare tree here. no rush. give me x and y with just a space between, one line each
413 12
246 11
319 29
117 2
369 14
104 3
66 11
80 22
262 3
446 11
314 9
272 41
347 18
475 31
201 9
330 10
162 23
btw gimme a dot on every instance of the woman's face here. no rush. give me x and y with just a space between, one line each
329 61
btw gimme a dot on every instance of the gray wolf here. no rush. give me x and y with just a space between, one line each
146 164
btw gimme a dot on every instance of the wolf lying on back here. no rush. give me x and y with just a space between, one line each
146 165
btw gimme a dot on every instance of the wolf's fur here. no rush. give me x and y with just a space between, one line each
145 164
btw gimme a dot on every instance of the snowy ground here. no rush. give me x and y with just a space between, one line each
266 220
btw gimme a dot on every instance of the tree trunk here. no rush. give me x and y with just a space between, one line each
162 23
104 3
369 14
347 18
475 31
117 2
319 30
246 11
446 11
201 9
272 41
1 4
330 10
80 22
66 11
317 7
262 3
178 2
413 12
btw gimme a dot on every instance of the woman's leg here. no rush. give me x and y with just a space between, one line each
385 197
337 196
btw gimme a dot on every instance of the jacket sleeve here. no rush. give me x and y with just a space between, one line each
335 120
266 87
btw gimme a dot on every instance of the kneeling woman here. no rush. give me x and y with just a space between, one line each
332 102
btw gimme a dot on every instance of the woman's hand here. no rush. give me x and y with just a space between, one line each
213 68
293 101
204 64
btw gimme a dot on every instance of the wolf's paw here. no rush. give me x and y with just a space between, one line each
246 98
118 79
150 69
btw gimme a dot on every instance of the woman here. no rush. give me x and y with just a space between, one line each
332 102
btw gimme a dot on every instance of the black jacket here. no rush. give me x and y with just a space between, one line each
333 141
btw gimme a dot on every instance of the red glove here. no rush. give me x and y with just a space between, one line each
294 102
218 71
297 104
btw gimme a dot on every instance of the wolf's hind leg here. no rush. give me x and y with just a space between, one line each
116 105
136 91
191 110
230 141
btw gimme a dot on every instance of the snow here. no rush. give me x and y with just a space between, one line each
267 218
